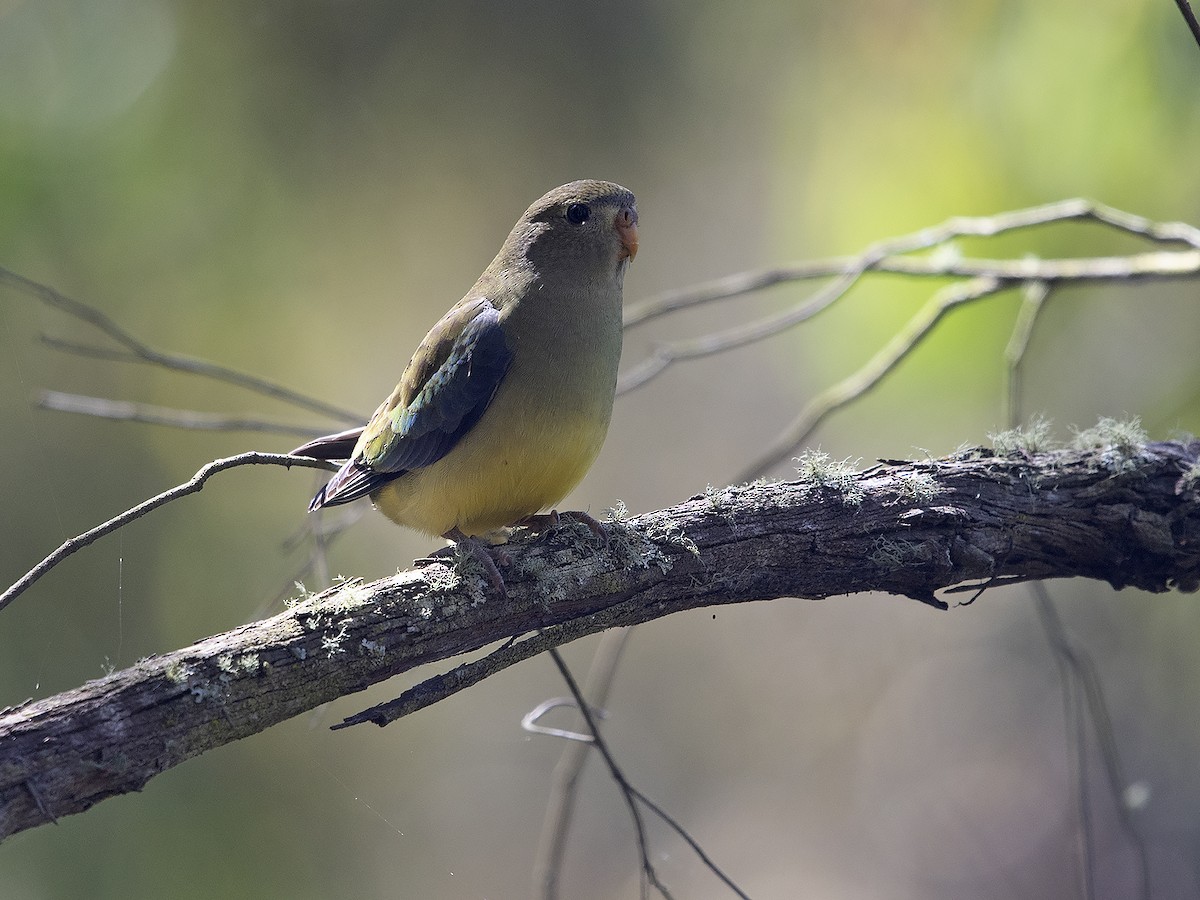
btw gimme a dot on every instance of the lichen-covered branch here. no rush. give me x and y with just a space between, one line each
1128 516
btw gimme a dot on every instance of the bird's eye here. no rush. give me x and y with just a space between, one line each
578 213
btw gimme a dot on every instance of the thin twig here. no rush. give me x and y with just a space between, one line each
982 226
689 840
649 873
1076 737
1035 295
140 352
1077 671
884 256
850 388
182 490
1163 265
631 793
126 411
437 688
564 783
731 286
1190 17
1081 670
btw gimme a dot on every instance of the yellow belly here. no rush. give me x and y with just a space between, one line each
499 473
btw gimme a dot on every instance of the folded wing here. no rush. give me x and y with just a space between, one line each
446 387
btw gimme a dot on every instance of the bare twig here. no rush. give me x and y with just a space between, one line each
649 873
1190 18
140 352
193 420
1035 295
850 388
674 825
439 687
632 794
1078 671
1082 270
735 285
1075 718
888 256
182 490
564 783
1082 692
982 226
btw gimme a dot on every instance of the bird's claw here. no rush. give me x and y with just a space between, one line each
483 552
548 521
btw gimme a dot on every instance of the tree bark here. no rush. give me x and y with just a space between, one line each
1128 516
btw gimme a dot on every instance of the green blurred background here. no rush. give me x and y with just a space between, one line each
300 189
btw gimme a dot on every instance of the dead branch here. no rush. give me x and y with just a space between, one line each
193 485
1128 516
140 352
190 419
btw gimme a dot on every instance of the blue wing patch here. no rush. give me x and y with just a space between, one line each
448 385
452 399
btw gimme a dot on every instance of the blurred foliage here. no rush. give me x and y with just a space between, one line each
300 189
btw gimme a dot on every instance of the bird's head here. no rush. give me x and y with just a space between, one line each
588 228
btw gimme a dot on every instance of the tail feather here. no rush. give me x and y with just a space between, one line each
352 481
331 446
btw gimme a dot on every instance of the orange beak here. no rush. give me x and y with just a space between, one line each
626 225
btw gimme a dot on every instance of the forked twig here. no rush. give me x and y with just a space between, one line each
633 796
872 372
564 782
889 256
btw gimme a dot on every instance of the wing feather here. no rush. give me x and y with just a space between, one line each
446 387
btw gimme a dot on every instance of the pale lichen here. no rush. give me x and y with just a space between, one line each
1117 443
618 513
672 534
817 469
1035 437
302 594
333 642
915 487
372 648
890 554
721 503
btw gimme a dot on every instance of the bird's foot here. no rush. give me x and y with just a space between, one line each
489 558
547 521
